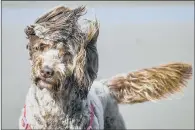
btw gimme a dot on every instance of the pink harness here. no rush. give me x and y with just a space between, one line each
27 126
91 117
24 121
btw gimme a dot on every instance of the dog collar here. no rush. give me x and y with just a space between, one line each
26 125
24 121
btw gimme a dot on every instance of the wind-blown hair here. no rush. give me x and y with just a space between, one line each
61 25
150 84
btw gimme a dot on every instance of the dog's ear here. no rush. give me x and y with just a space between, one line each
150 84
92 32
91 50
29 31
87 61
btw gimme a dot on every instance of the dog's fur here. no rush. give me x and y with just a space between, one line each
62 100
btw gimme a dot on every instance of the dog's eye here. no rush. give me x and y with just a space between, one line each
67 53
36 48
42 46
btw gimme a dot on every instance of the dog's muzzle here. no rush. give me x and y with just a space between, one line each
47 72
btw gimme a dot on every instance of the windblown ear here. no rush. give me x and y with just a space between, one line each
87 60
29 31
92 32
150 84
91 50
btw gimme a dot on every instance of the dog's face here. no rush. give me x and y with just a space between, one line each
51 61
59 50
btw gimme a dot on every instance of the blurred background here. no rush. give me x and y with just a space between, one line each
133 35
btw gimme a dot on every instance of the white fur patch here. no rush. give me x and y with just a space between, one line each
50 58
61 68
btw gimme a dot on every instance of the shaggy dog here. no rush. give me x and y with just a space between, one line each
64 66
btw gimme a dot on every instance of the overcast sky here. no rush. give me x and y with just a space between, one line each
113 14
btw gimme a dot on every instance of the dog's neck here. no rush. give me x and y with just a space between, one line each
69 100
68 106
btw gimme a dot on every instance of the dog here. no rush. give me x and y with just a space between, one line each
64 93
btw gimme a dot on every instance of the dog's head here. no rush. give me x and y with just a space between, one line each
61 50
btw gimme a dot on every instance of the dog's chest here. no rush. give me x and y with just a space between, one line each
43 113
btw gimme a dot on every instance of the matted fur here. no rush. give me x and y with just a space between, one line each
62 101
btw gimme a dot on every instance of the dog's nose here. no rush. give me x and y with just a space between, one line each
46 72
